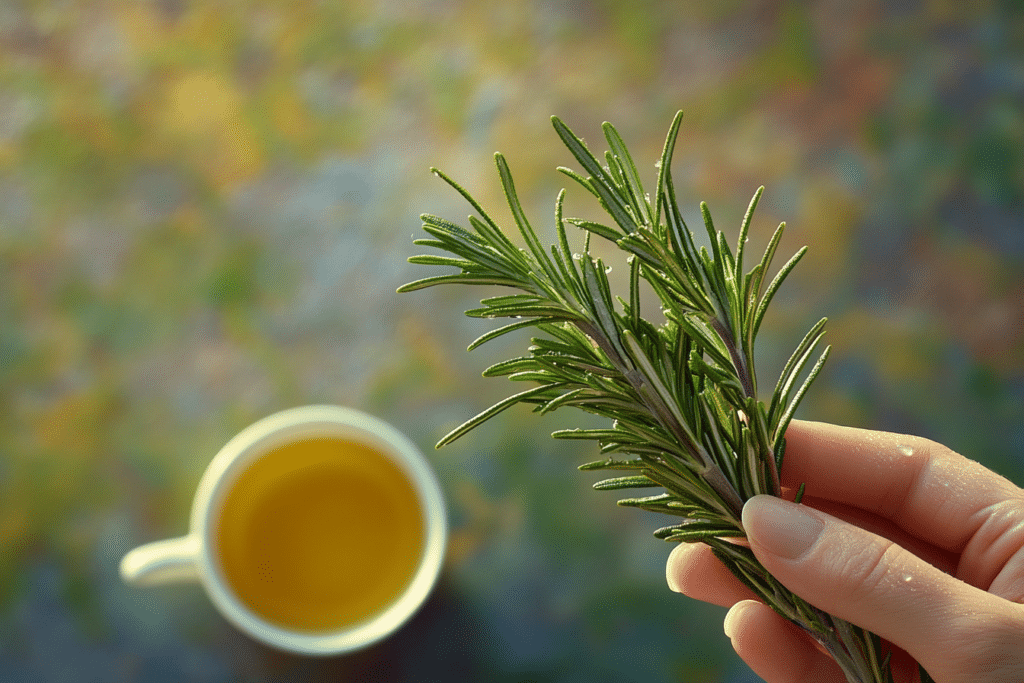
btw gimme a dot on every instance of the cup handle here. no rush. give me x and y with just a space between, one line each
173 560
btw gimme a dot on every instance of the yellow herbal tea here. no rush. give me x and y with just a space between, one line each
320 534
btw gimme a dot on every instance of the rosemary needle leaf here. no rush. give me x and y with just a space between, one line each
683 533
457 278
611 464
511 327
600 182
794 366
741 241
774 286
800 492
597 228
482 417
589 186
634 482
788 415
631 179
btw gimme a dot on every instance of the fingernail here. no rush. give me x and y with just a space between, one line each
780 527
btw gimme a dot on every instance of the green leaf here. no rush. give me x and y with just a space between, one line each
563 255
708 341
633 482
579 150
454 234
532 243
507 367
512 327
456 279
599 229
584 182
692 533
601 183
542 311
598 292
617 148
773 287
665 503
589 434
664 167
741 241
788 415
800 493
794 366
489 230
431 260
498 407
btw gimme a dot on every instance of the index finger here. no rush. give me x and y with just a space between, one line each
925 488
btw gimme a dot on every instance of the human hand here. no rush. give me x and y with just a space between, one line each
896 534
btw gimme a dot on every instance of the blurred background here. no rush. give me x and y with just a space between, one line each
206 207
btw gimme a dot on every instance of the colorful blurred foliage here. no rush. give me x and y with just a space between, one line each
205 208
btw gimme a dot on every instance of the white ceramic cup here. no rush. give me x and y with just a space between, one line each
194 556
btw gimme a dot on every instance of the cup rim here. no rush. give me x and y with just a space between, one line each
274 430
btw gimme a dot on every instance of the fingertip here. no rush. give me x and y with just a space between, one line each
735 616
774 648
693 570
679 565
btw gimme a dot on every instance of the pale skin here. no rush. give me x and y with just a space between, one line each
917 543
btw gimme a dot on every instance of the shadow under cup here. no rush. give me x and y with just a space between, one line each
318 530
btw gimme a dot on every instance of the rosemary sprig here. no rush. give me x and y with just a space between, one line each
682 395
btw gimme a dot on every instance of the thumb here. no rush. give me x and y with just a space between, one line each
872 582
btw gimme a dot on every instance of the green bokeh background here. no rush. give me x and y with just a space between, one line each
206 207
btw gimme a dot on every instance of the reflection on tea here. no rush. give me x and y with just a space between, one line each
320 534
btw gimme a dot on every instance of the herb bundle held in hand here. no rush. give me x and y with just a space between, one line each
682 396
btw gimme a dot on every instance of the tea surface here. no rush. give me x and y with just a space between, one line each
320 534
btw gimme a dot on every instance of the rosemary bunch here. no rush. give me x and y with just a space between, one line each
681 395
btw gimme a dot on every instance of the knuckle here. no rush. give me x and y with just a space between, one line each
986 647
919 455
926 448
868 570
